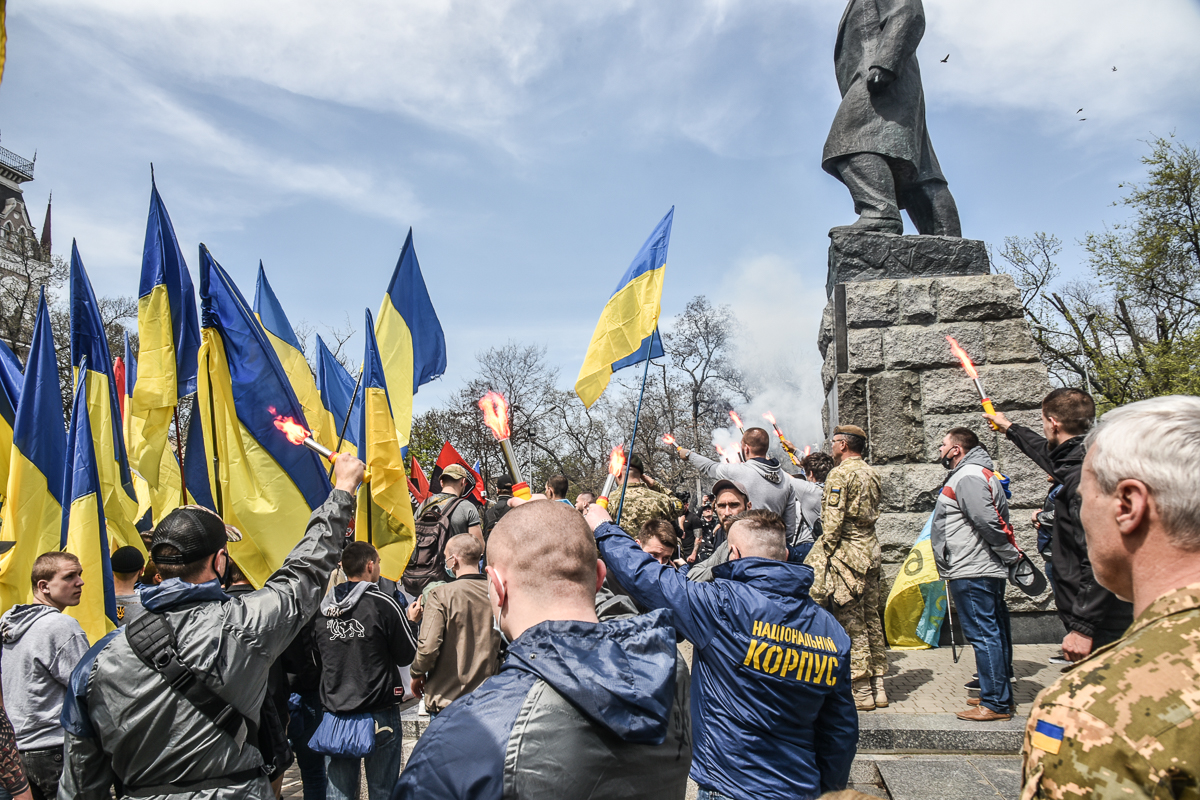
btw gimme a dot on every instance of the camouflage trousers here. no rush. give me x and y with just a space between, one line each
860 618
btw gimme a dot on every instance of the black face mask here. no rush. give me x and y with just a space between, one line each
226 576
948 462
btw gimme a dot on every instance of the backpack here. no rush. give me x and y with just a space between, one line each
428 560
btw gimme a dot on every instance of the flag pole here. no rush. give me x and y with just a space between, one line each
212 419
179 457
346 421
636 416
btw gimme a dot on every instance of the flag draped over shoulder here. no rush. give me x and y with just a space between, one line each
84 532
412 346
168 341
337 392
32 513
89 345
627 332
10 398
266 486
287 346
916 605
390 526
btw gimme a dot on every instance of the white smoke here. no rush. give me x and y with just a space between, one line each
779 314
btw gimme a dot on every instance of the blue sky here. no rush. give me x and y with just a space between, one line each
533 146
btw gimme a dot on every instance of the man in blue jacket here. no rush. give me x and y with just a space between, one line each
582 709
772 711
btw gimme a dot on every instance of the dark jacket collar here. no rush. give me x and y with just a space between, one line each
777 577
175 592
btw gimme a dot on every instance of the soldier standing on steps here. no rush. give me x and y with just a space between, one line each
846 562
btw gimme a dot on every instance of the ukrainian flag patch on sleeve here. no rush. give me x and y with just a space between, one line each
1047 737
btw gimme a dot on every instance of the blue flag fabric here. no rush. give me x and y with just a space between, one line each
11 377
337 389
409 296
195 459
261 389
163 266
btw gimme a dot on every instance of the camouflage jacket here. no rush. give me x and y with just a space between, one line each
1124 722
642 504
848 547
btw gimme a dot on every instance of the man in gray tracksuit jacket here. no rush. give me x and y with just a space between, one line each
767 485
973 546
124 722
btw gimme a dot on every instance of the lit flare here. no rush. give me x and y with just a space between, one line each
973 374
300 435
495 416
733 415
783 442
616 463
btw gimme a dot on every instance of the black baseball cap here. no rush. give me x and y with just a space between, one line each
127 559
505 482
194 531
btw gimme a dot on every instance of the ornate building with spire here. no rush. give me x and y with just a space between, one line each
25 260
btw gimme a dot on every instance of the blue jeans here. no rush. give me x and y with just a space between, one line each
383 764
712 794
983 613
305 717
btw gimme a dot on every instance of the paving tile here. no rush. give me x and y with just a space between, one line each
921 779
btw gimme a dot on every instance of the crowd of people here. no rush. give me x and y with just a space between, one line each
542 637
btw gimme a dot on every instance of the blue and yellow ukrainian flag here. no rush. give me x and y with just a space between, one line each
287 346
10 397
32 514
627 332
264 485
411 343
168 340
89 343
916 604
84 533
337 390
390 527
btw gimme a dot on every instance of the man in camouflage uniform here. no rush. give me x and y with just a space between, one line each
846 562
1125 721
644 500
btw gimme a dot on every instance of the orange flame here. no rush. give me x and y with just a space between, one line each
736 419
962 356
616 460
769 417
668 439
294 431
807 450
719 450
495 414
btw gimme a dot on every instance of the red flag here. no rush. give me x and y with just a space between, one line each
119 377
450 456
420 483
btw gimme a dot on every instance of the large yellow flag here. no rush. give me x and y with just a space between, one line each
390 526
32 513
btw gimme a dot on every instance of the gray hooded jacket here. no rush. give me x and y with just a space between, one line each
767 485
41 647
124 722
970 535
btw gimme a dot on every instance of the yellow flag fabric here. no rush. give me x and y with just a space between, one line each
256 496
916 604
84 530
391 527
3 38
153 402
32 513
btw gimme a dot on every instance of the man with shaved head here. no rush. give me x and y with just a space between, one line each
773 709
459 647
767 486
581 708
